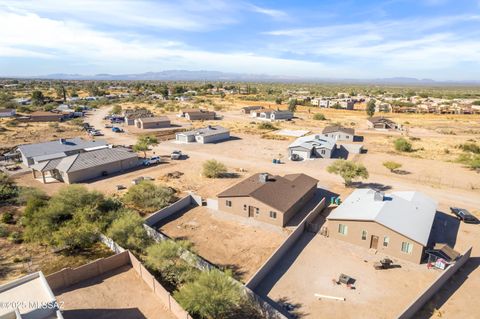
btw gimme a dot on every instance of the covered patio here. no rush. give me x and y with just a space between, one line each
48 171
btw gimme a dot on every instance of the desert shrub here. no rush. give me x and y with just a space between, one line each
319 117
214 169
402 145
128 232
348 170
470 160
218 107
148 197
7 218
470 147
8 189
164 258
266 126
212 295
3 231
15 237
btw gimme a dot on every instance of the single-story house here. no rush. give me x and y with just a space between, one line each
199 115
249 109
209 134
39 152
40 116
152 122
382 123
339 133
396 224
131 115
271 199
312 146
29 296
7 112
87 165
272 115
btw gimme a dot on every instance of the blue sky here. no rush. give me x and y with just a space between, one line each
438 39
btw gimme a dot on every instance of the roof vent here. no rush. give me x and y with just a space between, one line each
378 196
62 141
263 177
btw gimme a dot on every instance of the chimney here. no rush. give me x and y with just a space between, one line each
378 196
263 178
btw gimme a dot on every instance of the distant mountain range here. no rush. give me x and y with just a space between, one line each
185 75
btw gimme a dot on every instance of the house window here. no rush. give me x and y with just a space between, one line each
343 229
323 152
228 203
257 210
386 241
407 247
244 207
364 235
273 214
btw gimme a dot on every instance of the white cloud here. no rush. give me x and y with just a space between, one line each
277 14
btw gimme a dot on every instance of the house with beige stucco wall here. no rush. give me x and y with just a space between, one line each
267 198
396 224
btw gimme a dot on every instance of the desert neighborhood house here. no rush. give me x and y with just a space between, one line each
396 224
29 296
209 134
197 114
152 122
382 123
312 146
339 133
7 112
249 109
39 152
272 115
87 165
267 198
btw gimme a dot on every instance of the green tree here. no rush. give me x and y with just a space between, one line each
348 170
392 166
116 109
371 108
38 98
292 105
128 232
144 142
278 100
402 145
148 197
214 169
76 235
164 257
61 92
213 295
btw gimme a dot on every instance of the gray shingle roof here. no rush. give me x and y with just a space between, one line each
53 147
410 214
332 129
86 160
206 131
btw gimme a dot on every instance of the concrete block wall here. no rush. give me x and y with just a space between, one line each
431 290
171 209
278 254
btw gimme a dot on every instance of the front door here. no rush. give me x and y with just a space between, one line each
374 242
251 210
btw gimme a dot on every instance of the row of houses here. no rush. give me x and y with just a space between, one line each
397 224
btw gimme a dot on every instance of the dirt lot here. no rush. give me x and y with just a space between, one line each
117 294
225 240
316 260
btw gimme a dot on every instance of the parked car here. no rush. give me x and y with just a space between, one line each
464 215
152 160
96 133
117 129
176 155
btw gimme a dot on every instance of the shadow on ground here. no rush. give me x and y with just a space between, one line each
376 186
126 313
